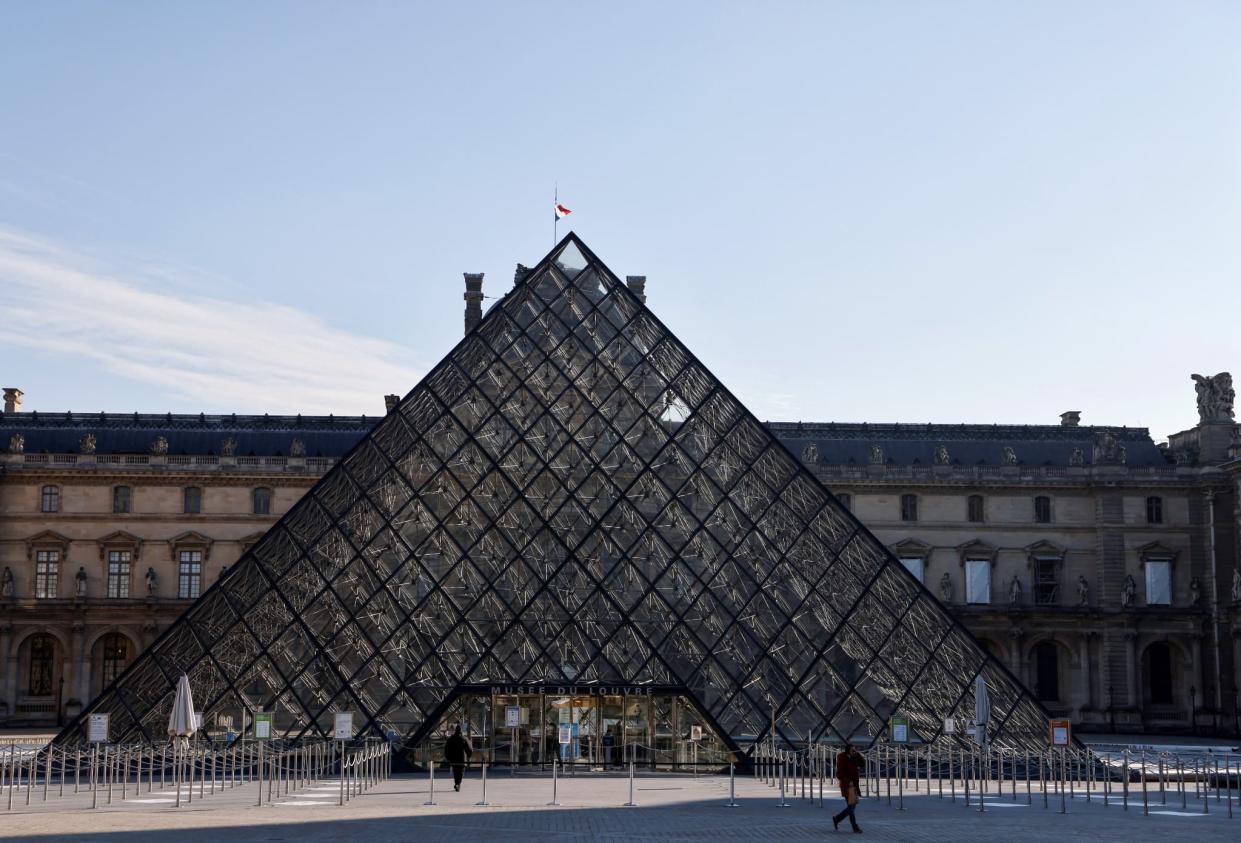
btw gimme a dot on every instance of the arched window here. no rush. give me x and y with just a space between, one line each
115 656
262 501
974 511
1047 671
1154 510
192 499
909 507
122 499
42 659
1042 509
49 500
1159 672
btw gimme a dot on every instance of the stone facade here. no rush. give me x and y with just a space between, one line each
1065 530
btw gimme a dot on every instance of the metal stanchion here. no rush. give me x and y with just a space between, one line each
483 802
94 756
1146 808
1124 798
732 784
782 803
555 803
258 769
631 803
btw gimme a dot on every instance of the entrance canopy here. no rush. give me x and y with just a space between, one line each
570 498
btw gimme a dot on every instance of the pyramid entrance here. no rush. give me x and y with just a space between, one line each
587 727
571 500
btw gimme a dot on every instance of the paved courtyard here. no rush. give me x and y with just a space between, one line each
670 808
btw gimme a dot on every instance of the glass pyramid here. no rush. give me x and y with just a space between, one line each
571 498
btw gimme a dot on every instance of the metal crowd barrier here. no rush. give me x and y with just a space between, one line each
275 768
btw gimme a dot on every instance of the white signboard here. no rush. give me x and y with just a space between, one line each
262 725
97 728
344 725
950 726
198 720
566 734
512 716
695 733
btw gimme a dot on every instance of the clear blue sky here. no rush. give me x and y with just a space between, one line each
883 211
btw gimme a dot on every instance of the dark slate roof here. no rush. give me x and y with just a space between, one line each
967 444
60 433
333 436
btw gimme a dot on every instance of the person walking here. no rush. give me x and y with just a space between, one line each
849 774
457 751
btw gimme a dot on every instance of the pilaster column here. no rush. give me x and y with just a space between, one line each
78 687
1196 671
6 678
1131 649
1085 691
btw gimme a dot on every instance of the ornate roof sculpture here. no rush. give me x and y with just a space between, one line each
571 498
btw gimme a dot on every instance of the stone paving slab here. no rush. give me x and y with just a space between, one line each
671 808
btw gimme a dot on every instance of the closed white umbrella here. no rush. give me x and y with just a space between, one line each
180 726
982 707
181 721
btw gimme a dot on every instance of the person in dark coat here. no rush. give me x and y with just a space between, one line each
457 751
849 774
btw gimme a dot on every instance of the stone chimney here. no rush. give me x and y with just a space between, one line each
13 399
637 286
390 402
1072 418
473 299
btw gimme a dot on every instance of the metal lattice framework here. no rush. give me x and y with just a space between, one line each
570 497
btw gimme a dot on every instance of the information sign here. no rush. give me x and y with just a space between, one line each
198 720
262 725
950 726
1061 732
900 729
566 734
344 726
695 733
97 728
512 716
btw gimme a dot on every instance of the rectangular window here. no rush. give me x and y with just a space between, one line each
974 510
122 499
1154 510
915 565
50 499
909 507
189 578
46 574
118 573
977 581
846 500
193 500
1042 509
1046 580
1158 582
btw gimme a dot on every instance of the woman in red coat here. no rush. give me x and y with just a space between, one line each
849 774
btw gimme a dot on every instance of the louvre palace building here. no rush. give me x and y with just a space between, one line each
1094 567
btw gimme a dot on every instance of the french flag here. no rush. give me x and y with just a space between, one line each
561 211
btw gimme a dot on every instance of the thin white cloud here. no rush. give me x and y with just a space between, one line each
198 347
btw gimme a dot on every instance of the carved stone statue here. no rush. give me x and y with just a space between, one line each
6 582
810 454
1077 457
941 455
1236 586
876 455
1195 592
1129 592
80 577
228 447
17 444
945 588
1014 591
1010 456
1108 450
152 582
86 443
159 446
1215 397
297 448
1083 591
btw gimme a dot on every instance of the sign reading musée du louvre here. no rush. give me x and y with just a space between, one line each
571 500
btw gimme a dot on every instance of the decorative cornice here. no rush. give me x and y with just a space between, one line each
46 539
189 539
121 539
